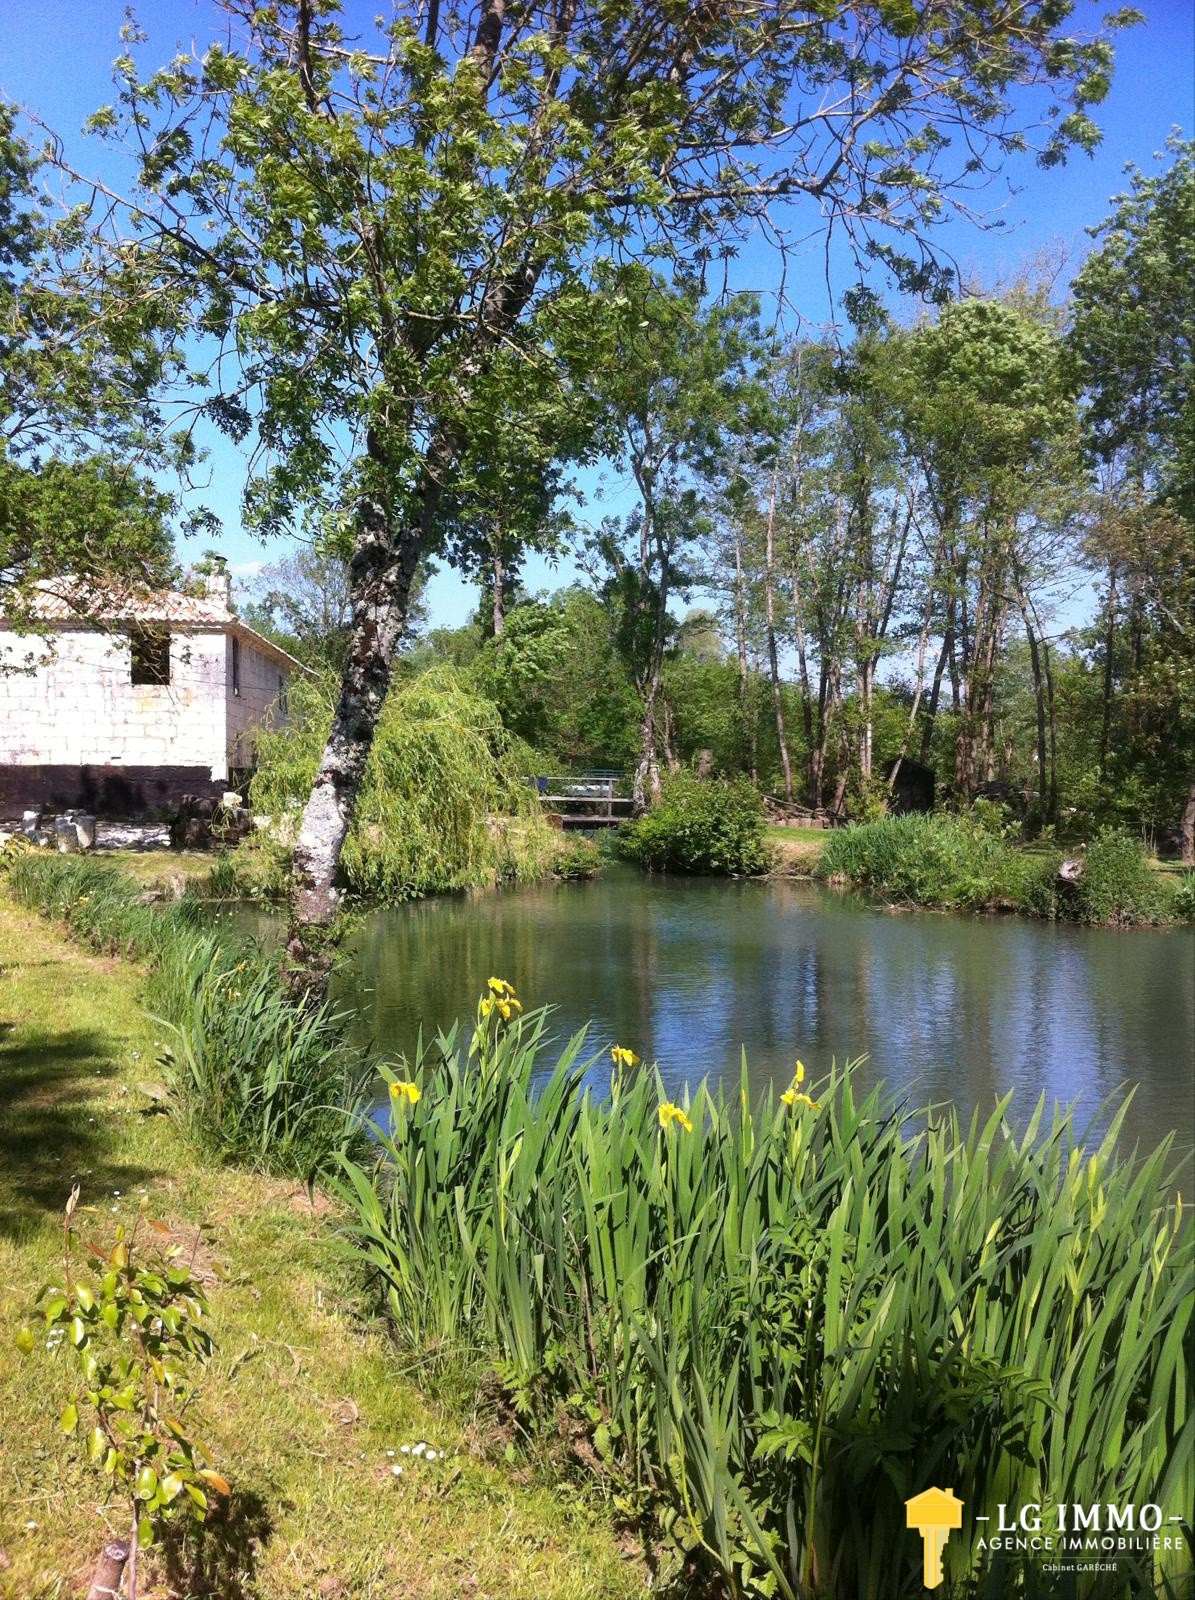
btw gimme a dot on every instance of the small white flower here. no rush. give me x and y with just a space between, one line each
390 1452
406 1449
30 1526
429 1455
419 1448
397 1471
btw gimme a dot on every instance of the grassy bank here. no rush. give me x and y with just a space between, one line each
955 863
306 1396
764 1330
795 852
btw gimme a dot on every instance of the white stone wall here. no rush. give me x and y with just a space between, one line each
81 708
257 704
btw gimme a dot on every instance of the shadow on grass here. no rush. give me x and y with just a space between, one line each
217 1559
52 1130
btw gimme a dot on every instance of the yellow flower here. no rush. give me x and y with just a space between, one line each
487 1005
623 1057
406 1091
796 1097
799 1075
501 987
507 1007
670 1113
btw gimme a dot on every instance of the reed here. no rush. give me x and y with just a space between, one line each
251 1077
772 1326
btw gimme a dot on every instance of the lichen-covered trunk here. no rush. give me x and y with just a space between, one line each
381 574
1187 828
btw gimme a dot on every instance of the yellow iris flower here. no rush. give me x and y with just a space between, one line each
794 1095
406 1091
622 1057
499 986
670 1113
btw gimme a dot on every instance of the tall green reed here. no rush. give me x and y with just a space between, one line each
778 1325
253 1078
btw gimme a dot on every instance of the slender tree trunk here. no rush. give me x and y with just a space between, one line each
380 586
931 710
1187 828
740 631
1039 699
499 599
773 654
1109 651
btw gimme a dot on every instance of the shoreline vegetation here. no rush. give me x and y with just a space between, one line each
747 1333
305 1399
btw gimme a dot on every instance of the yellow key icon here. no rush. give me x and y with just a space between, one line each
933 1512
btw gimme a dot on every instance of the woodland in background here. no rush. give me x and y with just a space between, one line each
846 553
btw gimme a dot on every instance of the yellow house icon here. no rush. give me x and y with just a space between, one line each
933 1512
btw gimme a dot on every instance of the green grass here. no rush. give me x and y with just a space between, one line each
306 1394
796 851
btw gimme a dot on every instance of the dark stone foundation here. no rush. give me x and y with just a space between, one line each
114 791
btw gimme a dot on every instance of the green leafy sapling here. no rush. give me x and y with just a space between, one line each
134 1319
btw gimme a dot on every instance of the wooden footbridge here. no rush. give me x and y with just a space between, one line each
588 800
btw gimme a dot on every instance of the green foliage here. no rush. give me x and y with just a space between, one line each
577 857
700 825
969 862
771 1323
1117 884
1183 902
444 804
252 1077
135 1323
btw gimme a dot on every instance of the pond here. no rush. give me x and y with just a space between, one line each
687 971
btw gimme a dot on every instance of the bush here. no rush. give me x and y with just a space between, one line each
700 825
1183 903
926 860
251 1077
763 1328
444 803
577 858
1117 884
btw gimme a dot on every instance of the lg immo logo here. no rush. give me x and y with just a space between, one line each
1085 1534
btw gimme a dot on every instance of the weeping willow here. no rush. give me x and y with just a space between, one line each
445 803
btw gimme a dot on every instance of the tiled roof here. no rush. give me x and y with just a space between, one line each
66 602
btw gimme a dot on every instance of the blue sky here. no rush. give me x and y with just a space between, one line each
56 62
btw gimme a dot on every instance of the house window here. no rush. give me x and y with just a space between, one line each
236 665
150 655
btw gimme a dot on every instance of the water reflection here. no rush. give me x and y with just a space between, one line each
948 1007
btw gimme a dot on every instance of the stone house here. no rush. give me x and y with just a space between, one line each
125 711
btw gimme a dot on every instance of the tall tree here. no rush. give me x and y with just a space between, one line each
392 243
1133 335
75 410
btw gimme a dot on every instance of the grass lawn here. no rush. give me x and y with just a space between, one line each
305 1397
797 850
159 869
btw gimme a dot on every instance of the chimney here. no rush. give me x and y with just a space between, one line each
217 584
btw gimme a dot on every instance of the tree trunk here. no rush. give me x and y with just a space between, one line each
1109 649
1039 698
773 656
109 1571
499 600
1187 829
381 573
646 787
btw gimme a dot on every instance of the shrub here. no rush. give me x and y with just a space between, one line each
577 857
764 1328
926 860
252 1078
444 803
1183 902
700 825
1117 883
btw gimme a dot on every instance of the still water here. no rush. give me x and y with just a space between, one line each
685 971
